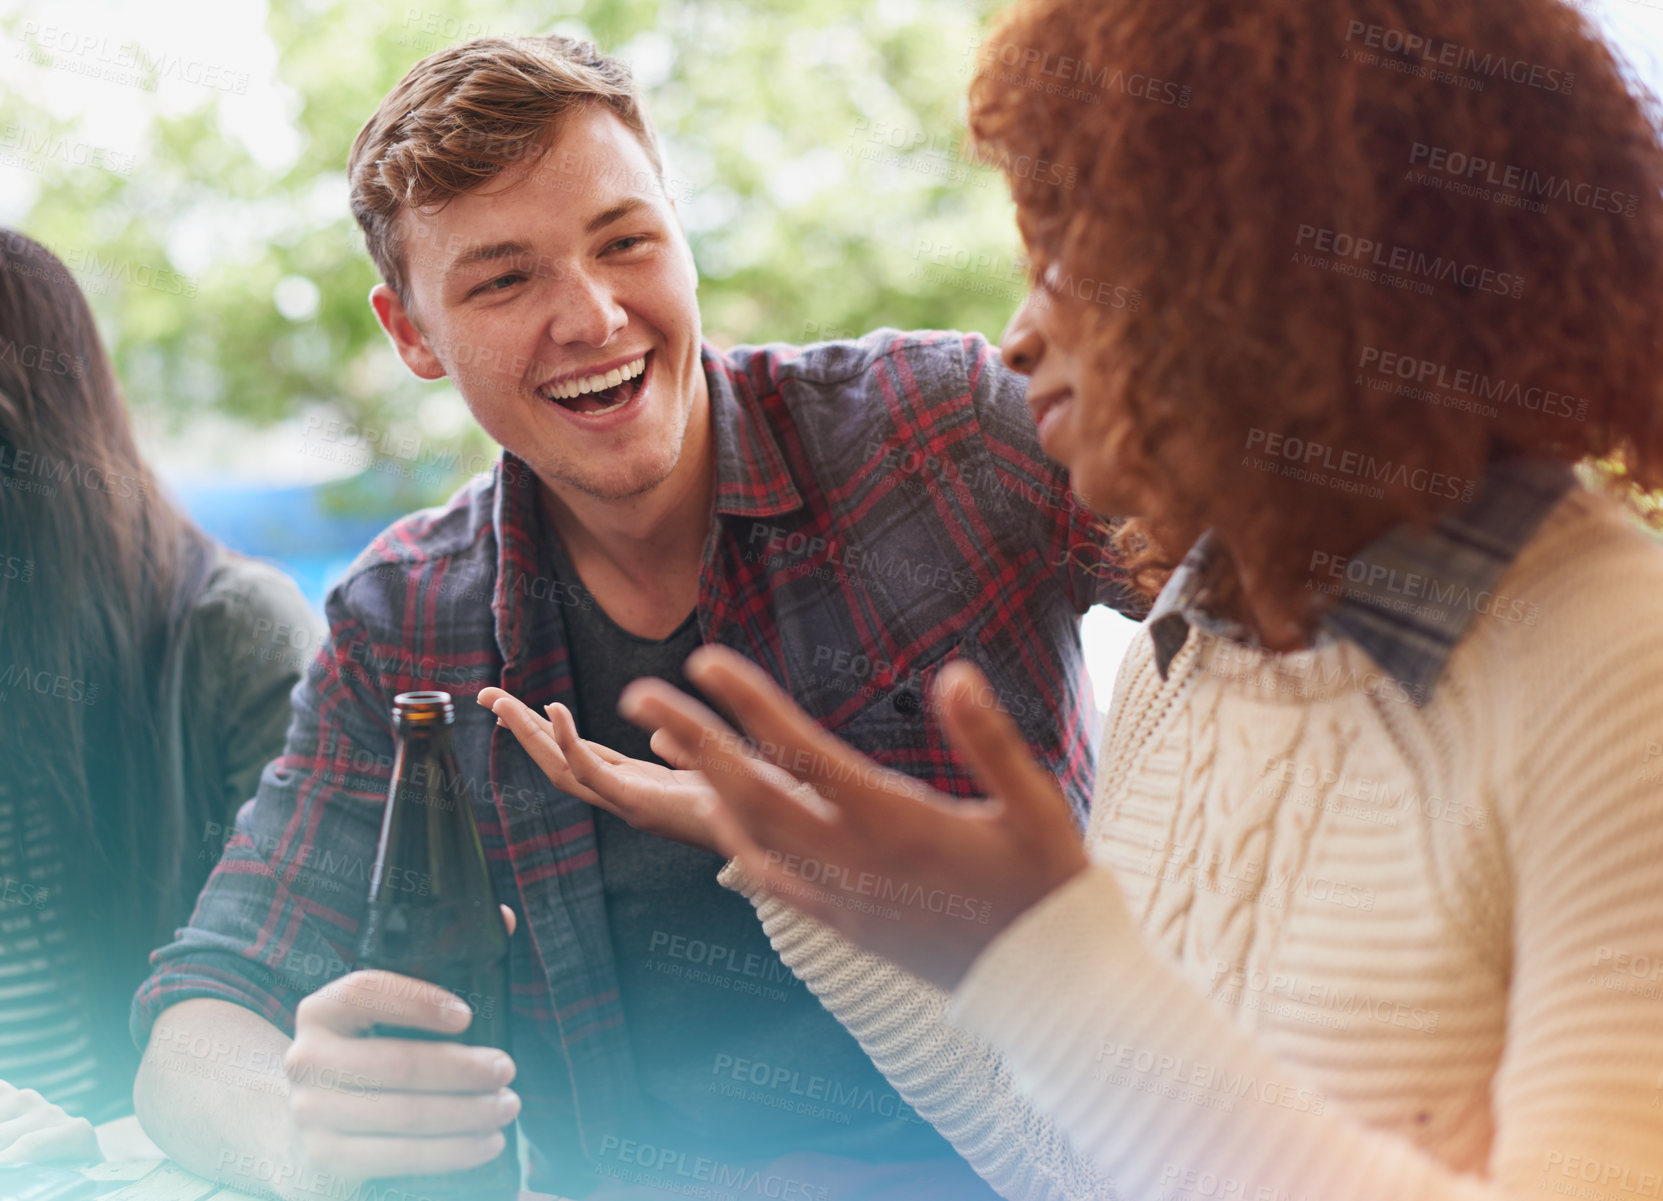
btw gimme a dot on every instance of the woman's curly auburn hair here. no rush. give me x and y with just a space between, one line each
1233 158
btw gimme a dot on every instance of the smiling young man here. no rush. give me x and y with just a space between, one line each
852 516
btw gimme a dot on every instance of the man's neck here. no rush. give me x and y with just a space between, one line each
641 556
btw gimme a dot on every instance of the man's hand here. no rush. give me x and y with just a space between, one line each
33 1130
658 800
368 1108
908 872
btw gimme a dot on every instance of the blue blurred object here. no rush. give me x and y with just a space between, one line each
312 531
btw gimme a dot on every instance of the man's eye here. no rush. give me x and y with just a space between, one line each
628 243
500 284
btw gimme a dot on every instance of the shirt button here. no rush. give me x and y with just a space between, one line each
907 702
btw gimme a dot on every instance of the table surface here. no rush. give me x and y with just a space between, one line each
136 1169
156 1180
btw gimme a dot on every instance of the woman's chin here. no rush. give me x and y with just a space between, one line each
1094 488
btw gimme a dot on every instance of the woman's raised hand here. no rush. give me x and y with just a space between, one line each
923 878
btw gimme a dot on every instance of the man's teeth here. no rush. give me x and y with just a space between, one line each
573 388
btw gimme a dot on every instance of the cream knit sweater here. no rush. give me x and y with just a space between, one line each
1376 952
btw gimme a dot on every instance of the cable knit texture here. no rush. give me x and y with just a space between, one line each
1373 951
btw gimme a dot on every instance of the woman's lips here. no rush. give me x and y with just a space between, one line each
1049 413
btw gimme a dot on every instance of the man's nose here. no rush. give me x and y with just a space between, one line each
586 311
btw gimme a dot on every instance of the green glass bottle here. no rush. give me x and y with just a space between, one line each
433 915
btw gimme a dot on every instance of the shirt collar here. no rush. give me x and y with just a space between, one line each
752 477
1408 597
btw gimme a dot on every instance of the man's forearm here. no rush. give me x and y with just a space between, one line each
211 1092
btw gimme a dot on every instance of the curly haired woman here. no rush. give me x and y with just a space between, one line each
1371 900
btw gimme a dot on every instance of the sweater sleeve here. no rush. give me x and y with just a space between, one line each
956 1082
258 636
1575 1100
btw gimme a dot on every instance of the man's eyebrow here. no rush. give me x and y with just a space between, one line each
481 254
618 211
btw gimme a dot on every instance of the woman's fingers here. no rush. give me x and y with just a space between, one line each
762 868
993 745
733 840
669 750
656 705
759 793
760 706
793 739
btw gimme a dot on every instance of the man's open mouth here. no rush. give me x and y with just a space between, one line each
599 393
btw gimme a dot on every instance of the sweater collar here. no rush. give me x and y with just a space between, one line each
1407 598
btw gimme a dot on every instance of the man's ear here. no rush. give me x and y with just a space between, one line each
409 341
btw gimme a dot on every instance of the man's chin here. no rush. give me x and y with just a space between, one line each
614 487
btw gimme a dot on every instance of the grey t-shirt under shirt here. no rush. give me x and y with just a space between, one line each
735 1056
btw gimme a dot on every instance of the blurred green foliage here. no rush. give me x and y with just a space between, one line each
818 147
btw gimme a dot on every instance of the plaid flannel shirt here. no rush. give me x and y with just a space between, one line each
882 507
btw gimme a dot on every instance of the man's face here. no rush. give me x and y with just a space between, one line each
563 273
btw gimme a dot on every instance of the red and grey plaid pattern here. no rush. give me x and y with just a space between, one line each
882 508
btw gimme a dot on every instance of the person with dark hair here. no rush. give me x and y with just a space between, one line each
136 711
1370 905
813 505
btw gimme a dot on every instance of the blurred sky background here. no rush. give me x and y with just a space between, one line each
186 159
